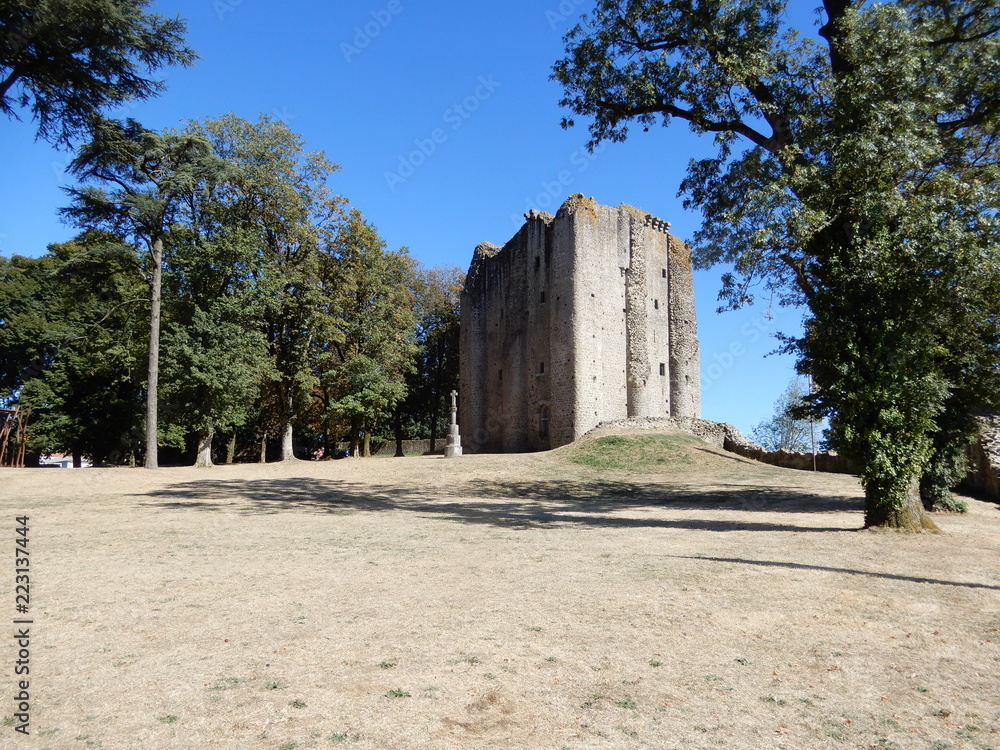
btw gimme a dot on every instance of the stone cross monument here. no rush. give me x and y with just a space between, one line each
454 445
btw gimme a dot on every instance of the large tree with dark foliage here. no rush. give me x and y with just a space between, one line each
68 61
136 182
856 174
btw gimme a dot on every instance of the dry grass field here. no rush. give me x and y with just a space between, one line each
695 600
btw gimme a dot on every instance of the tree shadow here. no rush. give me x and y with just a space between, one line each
511 504
849 571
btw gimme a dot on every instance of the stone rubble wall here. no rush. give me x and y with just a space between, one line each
984 461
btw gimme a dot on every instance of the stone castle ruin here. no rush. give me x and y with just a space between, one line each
583 317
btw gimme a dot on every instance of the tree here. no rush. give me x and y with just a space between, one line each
363 369
27 338
150 175
70 60
215 353
437 292
279 191
783 431
85 383
867 191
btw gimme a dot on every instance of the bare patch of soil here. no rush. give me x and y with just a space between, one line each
517 601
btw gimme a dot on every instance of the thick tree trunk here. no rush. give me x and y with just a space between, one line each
77 460
367 450
897 507
204 457
287 446
231 449
153 367
263 448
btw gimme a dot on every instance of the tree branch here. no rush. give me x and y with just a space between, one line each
801 279
723 126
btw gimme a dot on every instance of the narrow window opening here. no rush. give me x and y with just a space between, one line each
499 374
656 304
664 271
538 262
543 298
541 368
663 368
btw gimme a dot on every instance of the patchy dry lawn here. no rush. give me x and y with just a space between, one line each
497 602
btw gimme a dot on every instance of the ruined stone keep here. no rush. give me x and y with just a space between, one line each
583 317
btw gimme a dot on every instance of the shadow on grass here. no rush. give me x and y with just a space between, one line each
849 571
517 505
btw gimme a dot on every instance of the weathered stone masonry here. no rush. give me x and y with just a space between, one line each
581 318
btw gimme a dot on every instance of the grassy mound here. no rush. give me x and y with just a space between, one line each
635 453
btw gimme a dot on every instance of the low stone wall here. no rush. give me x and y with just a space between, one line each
724 435
825 461
984 461
410 447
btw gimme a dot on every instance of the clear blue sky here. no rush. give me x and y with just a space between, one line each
446 126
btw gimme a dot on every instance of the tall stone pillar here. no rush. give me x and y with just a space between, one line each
453 447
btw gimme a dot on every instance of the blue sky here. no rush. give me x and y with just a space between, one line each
446 126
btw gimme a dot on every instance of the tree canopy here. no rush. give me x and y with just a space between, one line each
150 176
855 173
68 61
281 309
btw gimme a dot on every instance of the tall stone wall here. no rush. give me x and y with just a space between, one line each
572 323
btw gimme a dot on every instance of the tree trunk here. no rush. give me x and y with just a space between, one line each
153 368
434 421
398 430
355 429
367 450
204 457
287 446
77 460
897 506
231 449
263 448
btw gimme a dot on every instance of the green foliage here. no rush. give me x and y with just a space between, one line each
278 191
149 175
278 307
364 366
427 407
638 453
88 311
152 178
27 334
868 192
784 431
69 60
214 349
